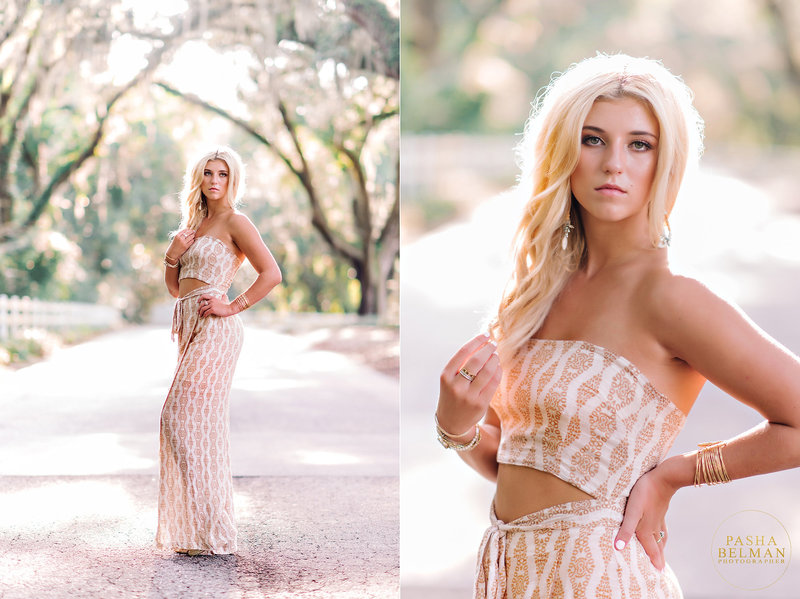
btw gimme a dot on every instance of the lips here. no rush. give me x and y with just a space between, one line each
610 187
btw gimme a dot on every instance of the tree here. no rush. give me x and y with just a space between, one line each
329 81
325 102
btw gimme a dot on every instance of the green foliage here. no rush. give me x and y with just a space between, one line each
100 232
15 351
476 66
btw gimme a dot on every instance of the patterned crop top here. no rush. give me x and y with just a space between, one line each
583 414
210 260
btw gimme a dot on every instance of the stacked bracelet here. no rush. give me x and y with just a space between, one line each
709 467
169 264
448 443
242 302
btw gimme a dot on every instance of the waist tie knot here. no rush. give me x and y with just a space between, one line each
491 576
178 311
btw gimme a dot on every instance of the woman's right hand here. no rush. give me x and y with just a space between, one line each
180 243
463 403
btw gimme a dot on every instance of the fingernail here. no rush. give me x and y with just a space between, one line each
620 544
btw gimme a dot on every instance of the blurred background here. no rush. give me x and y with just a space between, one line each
469 72
102 103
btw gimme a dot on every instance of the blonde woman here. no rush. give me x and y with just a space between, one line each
195 506
601 351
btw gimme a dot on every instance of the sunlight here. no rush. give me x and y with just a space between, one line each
126 57
98 453
261 383
326 458
154 13
214 76
62 501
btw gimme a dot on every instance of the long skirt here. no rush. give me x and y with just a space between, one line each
567 551
195 499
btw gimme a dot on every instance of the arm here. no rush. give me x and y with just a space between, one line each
246 237
180 243
723 345
462 404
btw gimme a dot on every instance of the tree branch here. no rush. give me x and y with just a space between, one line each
361 207
318 218
244 125
382 27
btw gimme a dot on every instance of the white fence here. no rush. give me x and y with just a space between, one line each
21 314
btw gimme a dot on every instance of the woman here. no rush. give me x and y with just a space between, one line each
195 505
601 351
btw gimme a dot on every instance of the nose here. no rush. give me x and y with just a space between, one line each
614 158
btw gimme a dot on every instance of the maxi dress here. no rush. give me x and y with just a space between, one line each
195 499
591 418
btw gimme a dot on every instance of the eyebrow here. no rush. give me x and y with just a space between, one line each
599 130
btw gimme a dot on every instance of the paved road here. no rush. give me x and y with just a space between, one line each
750 253
314 454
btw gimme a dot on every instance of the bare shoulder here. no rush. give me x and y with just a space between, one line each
239 222
680 310
667 294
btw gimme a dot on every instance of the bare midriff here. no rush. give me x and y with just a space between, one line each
522 491
188 285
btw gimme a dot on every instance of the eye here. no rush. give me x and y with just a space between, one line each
591 140
641 146
206 173
223 174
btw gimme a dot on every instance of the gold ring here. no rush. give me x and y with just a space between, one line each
466 374
661 535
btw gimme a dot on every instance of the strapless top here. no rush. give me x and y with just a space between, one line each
211 261
584 414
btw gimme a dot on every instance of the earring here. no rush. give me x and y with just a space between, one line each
666 235
566 228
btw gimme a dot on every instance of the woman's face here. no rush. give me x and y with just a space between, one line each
215 180
619 152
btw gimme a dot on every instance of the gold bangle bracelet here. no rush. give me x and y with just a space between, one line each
168 264
448 443
709 466
444 432
242 302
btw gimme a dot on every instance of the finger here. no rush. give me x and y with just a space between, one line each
651 548
628 527
462 354
491 385
486 372
477 360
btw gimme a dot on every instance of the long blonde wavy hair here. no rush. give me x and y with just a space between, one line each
193 202
548 154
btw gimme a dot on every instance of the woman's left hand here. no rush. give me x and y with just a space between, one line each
644 515
211 305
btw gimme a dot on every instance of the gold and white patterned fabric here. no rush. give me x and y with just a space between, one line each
195 503
591 418
209 260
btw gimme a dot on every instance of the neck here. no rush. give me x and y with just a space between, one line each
214 209
613 244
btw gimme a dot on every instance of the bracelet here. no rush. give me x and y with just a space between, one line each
709 467
444 432
242 302
448 443
168 264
